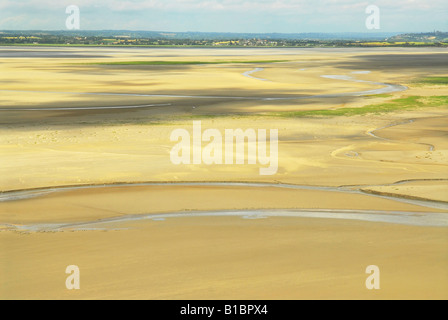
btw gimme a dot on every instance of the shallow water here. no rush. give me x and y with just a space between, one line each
29 194
249 74
387 88
421 219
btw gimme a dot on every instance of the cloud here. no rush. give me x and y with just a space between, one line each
283 15
225 5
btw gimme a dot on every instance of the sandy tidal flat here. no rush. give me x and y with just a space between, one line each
86 177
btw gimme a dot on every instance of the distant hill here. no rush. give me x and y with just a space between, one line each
429 37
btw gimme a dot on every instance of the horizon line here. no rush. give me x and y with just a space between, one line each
221 32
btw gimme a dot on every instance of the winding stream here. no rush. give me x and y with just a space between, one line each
29 194
404 218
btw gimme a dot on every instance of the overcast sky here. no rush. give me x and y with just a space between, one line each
286 16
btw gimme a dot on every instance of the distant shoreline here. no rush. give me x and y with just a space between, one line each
323 46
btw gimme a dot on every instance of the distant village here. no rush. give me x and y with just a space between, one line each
433 39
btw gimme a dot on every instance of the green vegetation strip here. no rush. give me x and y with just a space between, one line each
167 63
434 80
409 103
